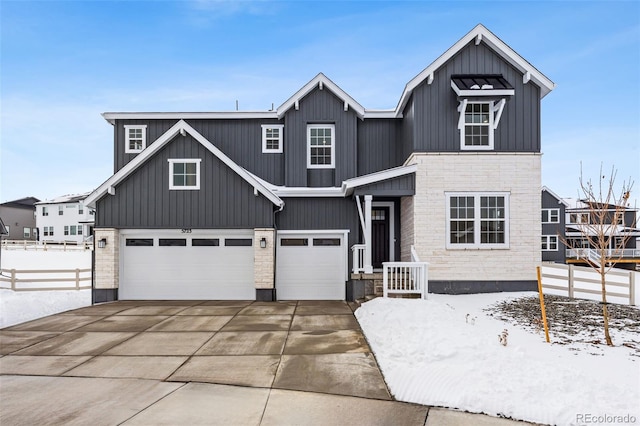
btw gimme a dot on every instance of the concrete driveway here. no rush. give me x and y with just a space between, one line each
200 362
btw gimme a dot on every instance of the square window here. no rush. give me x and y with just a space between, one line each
184 174
477 220
549 243
321 146
135 138
272 138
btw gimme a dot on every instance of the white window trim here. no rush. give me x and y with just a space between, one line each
127 148
493 124
548 242
549 211
266 150
477 245
195 161
333 146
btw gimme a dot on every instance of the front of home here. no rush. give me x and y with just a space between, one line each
301 201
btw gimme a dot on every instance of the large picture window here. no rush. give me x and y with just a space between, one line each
184 174
477 220
321 146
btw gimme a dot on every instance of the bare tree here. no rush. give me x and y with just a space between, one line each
604 229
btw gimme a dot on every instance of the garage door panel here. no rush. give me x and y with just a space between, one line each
310 269
200 271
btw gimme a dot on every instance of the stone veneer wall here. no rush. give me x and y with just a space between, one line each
107 264
519 174
264 258
406 228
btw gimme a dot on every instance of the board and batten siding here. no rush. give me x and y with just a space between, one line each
240 140
378 141
319 107
224 200
436 105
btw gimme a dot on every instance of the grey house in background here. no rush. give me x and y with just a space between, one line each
553 227
19 219
307 200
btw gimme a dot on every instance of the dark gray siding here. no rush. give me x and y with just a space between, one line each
436 115
320 213
144 200
551 202
400 186
378 142
319 107
408 133
240 140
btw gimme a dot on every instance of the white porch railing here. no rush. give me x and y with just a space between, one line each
593 255
405 277
358 258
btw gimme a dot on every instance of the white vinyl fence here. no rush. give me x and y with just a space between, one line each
45 280
45 246
584 283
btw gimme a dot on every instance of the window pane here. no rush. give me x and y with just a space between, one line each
294 242
172 242
326 241
205 242
178 168
139 242
238 242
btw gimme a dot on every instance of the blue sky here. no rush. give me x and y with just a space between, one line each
64 63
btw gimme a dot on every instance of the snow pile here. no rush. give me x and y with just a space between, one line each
446 352
18 307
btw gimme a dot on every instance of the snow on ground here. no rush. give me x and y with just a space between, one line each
18 307
445 352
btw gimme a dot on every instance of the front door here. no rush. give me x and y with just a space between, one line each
379 236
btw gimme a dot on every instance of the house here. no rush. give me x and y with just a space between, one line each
65 219
621 231
307 200
553 226
19 219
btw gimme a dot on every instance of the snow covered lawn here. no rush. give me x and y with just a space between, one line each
445 352
18 307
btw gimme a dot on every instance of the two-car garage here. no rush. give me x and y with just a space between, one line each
219 264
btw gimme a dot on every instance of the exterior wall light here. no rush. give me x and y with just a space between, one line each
102 243
263 242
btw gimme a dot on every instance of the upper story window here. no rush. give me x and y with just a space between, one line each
477 131
479 117
135 138
45 211
550 215
80 208
272 138
549 243
60 210
578 218
184 173
477 220
321 146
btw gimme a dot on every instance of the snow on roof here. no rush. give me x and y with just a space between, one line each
69 198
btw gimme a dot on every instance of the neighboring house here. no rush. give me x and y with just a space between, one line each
19 219
65 219
269 205
553 227
580 223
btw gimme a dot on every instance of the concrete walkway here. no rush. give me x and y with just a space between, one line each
201 362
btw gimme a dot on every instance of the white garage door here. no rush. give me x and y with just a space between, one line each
311 266
194 265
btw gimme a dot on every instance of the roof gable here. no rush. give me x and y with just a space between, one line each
480 34
321 81
181 127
